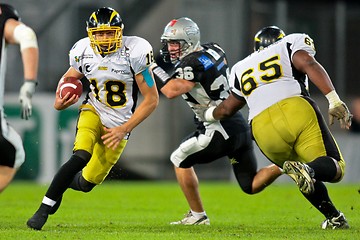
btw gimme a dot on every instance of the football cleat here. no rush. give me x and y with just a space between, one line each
338 222
38 220
301 174
189 219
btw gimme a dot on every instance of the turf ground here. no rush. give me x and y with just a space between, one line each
143 210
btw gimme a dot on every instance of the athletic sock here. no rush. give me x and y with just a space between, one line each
65 176
321 200
324 168
198 215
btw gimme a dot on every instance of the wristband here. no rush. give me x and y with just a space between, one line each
333 99
209 114
30 80
161 77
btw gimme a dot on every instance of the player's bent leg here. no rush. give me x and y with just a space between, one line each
79 183
244 165
264 177
327 169
6 175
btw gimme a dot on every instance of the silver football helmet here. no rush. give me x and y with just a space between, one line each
184 31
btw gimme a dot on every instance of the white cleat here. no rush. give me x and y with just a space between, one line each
189 219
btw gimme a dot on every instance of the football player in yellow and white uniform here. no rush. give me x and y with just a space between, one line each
117 68
286 124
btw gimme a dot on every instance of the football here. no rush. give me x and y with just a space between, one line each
72 85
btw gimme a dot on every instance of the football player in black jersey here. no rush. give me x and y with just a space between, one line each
201 76
13 31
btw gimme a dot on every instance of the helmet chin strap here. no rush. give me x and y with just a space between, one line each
103 50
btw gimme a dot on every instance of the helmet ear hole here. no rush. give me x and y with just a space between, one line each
267 36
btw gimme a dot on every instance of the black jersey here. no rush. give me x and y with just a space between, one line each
208 68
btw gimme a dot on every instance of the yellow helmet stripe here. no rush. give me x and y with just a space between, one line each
114 13
281 36
93 15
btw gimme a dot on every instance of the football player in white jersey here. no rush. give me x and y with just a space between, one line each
286 124
13 31
117 68
200 76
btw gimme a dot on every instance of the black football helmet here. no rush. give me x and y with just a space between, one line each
266 36
105 19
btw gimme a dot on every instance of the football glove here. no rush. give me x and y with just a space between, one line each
338 110
27 90
342 113
204 113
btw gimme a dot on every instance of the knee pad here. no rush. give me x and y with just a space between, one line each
25 36
189 147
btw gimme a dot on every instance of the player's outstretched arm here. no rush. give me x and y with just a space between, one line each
15 32
225 109
307 64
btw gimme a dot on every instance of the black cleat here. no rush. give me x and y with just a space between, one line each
38 220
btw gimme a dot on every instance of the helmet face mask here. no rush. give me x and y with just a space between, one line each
104 29
174 50
267 36
185 33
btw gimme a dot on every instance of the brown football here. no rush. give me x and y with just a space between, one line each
72 85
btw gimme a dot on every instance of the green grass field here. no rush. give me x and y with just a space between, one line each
143 210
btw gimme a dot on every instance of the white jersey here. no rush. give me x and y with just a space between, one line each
112 77
267 76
